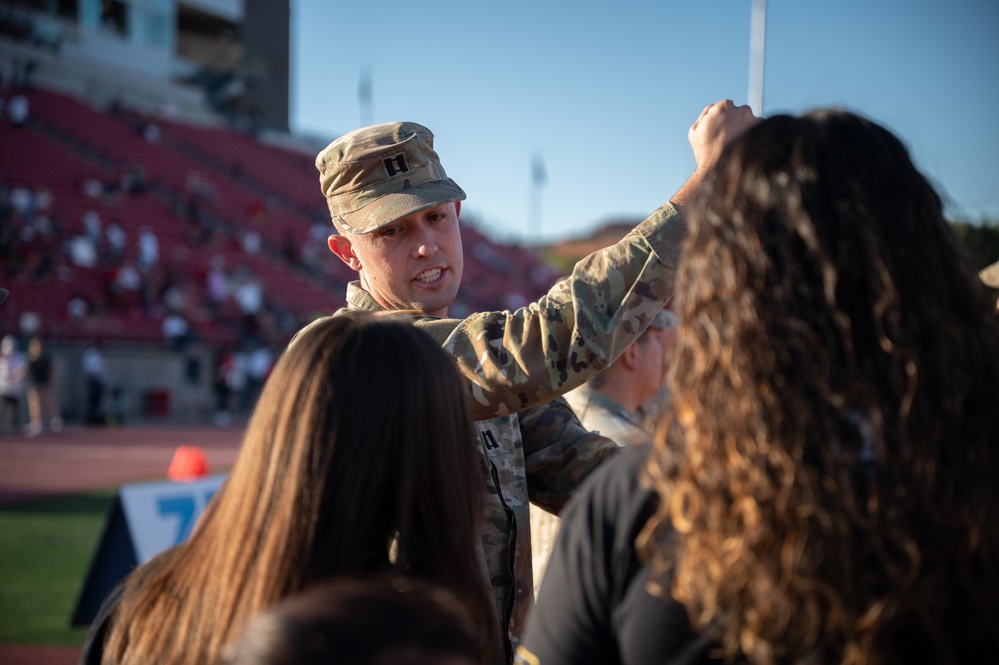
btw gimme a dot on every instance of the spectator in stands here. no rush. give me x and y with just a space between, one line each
92 188
6 74
149 249
18 110
95 370
123 283
92 225
289 248
226 365
13 370
176 331
251 242
43 199
381 622
133 181
609 402
315 248
116 238
249 295
355 464
77 309
82 251
258 366
152 133
826 492
216 284
42 399
23 200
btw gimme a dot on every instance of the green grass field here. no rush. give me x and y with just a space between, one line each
45 549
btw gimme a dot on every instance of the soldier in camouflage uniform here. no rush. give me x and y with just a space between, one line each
610 405
396 212
610 402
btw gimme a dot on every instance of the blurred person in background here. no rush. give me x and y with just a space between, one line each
822 488
355 464
13 370
42 400
95 369
609 402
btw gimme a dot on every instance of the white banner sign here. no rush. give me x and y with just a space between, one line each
163 514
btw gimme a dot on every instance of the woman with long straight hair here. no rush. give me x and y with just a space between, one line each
823 490
355 464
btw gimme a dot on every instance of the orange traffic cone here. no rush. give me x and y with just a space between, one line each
188 464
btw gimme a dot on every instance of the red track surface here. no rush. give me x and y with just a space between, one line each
82 459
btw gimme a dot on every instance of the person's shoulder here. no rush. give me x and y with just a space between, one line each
312 324
625 467
617 482
439 328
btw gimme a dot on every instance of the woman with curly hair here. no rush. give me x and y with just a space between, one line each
355 464
823 489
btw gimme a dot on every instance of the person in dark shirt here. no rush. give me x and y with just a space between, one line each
821 489
41 391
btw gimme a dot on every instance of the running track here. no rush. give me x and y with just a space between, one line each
82 459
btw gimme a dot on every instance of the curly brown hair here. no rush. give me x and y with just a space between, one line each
829 495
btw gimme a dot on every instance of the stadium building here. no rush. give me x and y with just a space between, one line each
153 202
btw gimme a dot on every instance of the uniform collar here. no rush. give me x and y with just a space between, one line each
358 298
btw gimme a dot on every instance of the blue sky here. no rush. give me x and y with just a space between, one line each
605 92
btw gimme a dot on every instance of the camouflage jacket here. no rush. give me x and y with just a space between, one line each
514 360
601 414
516 363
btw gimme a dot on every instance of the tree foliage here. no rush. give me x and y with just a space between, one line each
981 239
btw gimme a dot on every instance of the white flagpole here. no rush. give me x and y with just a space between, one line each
757 37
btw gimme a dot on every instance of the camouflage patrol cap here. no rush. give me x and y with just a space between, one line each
664 320
374 175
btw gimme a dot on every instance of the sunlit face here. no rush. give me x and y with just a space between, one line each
413 263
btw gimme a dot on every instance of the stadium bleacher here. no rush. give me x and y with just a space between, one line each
203 189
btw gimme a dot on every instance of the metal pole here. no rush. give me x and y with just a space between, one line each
539 176
365 97
757 37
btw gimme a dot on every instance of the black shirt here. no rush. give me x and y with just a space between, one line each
593 606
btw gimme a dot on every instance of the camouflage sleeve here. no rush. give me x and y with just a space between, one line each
558 453
515 360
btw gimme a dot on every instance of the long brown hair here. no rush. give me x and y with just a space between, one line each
356 462
829 496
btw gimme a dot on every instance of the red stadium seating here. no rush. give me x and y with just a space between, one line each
251 186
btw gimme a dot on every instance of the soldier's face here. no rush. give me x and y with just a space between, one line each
413 263
656 348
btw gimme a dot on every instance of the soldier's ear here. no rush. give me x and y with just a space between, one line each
630 357
340 245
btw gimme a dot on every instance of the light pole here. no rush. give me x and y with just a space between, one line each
539 176
757 37
365 97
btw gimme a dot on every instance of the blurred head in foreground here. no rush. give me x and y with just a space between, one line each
380 622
